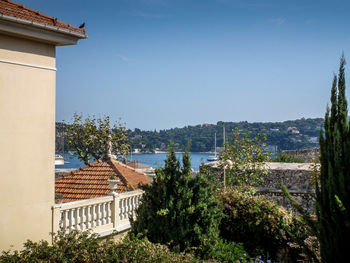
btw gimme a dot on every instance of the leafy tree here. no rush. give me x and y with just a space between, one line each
90 138
333 186
248 160
179 209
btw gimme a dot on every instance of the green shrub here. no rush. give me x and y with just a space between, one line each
286 158
260 224
224 251
79 247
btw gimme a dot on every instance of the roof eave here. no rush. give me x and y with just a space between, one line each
40 32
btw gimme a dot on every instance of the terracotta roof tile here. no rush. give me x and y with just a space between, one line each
13 9
91 181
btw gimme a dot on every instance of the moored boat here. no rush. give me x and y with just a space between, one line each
213 158
59 159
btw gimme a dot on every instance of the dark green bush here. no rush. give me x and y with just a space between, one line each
224 251
261 225
78 247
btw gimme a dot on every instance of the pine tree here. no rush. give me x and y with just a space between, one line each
333 187
178 209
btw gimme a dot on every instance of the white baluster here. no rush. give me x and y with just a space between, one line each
127 208
77 218
99 215
125 214
92 221
66 221
120 212
104 213
133 206
136 202
82 218
62 222
109 212
74 214
71 219
124 208
89 216
96 215
107 206
93 216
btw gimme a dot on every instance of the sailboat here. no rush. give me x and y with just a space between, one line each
213 158
59 159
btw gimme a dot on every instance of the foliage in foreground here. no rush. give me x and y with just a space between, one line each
179 209
310 245
79 247
333 186
224 251
262 226
89 138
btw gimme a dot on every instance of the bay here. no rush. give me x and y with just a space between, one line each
155 160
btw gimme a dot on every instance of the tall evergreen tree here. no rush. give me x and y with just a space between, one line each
178 209
333 187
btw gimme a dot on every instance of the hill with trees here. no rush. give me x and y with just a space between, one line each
288 135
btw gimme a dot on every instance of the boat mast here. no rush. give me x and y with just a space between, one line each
224 139
130 153
215 146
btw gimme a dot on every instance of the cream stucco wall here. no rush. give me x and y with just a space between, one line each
27 127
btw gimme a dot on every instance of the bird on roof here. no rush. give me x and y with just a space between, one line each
82 25
55 21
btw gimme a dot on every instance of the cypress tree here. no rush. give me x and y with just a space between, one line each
333 187
178 209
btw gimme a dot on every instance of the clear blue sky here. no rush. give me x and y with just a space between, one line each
162 64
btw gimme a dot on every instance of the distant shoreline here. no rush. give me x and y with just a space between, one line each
164 152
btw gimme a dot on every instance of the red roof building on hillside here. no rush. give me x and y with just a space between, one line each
31 17
91 181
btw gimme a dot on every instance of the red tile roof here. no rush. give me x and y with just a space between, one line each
13 9
91 181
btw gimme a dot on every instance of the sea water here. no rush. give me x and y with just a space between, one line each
155 160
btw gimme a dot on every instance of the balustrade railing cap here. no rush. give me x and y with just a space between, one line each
113 194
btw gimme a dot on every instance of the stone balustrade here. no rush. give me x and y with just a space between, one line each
102 215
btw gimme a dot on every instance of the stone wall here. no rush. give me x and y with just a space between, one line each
295 176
